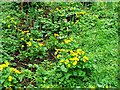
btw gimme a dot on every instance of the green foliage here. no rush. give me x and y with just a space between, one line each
59 44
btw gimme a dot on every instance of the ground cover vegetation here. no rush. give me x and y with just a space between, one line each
59 45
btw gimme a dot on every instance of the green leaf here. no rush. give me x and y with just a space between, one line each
63 68
75 73
67 75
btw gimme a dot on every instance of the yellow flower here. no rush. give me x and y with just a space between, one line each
27 34
74 54
11 69
31 39
106 86
83 52
62 49
67 29
43 81
85 58
75 58
67 51
78 50
96 16
61 60
67 41
26 31
55 53
10 85
15 23
60 64
74 63
7 88
71 38
22 45
12 18
40 44
112 76
105 51
62 15
72 8
66 62
20 30
7 21
8 26
51 85
58 56
34 64
92 88
71 59
48 86
10 88
6 63
71 51
22 38
56 34
16 71
29 43
10 78
68 65
8 16
38 39
36 46
1 68
57 49
68 23
62 43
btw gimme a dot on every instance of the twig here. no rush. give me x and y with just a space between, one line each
53 55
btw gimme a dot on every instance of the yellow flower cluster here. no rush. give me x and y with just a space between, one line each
16 71
29 43
66 41
60 50
10 78
74 53
38 39
56 34
81 12
4 65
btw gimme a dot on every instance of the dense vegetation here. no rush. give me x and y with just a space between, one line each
59 45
